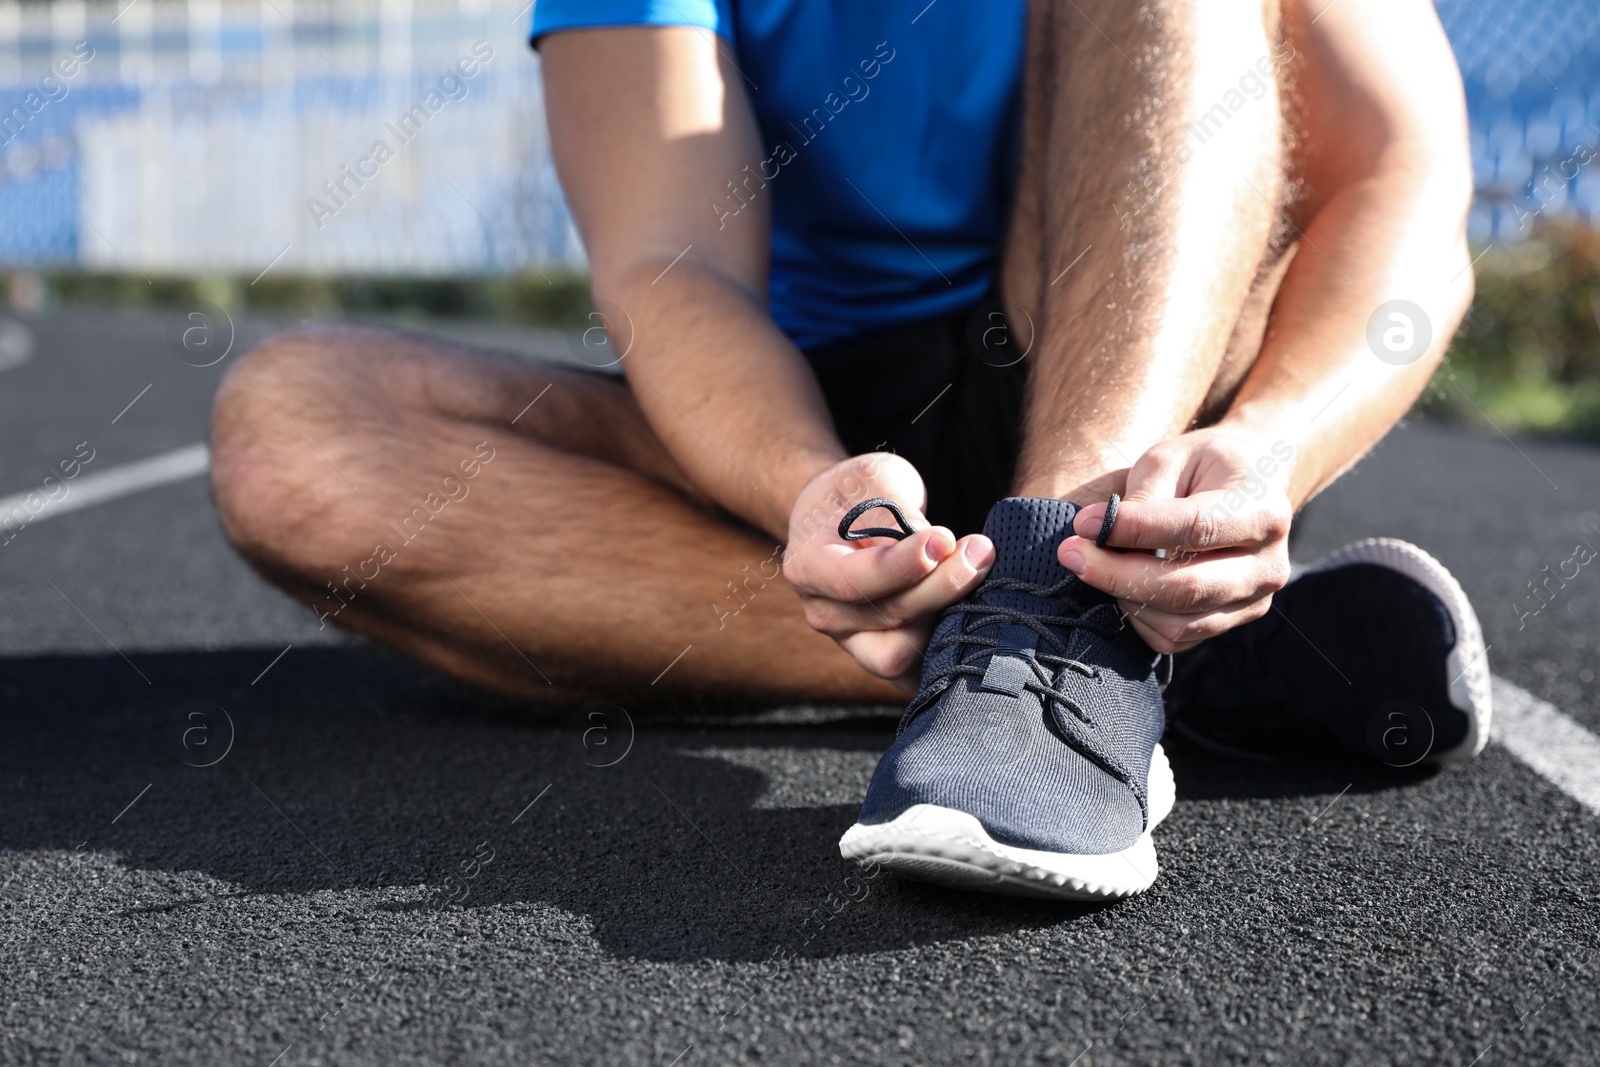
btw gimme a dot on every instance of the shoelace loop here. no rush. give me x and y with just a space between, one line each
865 506
1108 522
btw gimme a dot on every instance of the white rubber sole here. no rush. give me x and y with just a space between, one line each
938 844
1468 663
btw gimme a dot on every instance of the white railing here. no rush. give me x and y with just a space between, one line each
230 135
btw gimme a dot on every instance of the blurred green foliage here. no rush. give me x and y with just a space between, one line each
549 299
1528 355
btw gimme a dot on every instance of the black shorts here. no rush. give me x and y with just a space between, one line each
946 394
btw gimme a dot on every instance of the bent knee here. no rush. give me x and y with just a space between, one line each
274 454
285 365
290 367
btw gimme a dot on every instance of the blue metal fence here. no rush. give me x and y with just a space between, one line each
1532 73
182 135
240 135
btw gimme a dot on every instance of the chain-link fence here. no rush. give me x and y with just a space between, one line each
407 136
305 135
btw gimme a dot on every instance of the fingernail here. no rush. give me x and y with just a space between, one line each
937 548
1075 563
979 554
1090 525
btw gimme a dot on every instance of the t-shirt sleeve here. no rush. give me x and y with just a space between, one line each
552 15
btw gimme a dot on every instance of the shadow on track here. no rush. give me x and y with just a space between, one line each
351 769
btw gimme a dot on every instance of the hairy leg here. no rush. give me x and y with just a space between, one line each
518 526
1144 247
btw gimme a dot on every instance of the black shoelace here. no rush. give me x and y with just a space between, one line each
1044 683
979 614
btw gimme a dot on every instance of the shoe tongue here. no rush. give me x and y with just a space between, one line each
1026 532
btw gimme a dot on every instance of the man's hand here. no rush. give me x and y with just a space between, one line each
878 597
1214 500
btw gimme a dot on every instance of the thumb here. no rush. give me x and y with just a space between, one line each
888 475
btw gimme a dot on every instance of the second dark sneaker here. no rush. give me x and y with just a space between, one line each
1029 761
1374 650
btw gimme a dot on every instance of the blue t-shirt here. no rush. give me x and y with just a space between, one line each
891 132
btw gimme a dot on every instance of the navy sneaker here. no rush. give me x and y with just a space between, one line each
1374 650
1028 762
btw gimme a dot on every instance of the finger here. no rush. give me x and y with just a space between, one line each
1115 481
814 522
1157 475
956 576
892 654
896 478
1160 474
1170 633
1183 584
1222 518
868 570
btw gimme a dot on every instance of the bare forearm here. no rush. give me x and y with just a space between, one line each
731 398
1319 383
645 124
1383 158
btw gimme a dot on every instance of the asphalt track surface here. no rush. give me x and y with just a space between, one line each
386 867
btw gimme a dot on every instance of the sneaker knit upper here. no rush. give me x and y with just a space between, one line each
1064 771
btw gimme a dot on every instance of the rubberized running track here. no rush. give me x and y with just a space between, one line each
381 866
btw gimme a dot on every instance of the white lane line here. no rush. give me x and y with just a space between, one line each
16 344
89 489
1549 741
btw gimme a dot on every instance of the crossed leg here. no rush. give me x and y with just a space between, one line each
578 559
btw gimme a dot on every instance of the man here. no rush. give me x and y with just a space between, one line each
1192 253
